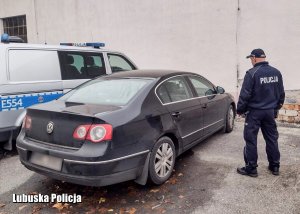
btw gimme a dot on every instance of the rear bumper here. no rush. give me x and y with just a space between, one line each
81 169
104 180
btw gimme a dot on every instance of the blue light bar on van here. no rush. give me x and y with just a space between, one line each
87 44
5 38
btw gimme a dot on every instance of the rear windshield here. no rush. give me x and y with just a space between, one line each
106 91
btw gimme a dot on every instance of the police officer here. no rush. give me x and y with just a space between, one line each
261 96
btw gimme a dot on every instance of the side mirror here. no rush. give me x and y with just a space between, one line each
220 90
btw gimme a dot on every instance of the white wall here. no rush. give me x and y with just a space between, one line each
211 38
184 35
21 7
273 25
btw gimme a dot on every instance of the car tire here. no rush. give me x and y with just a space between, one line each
229 123
162 161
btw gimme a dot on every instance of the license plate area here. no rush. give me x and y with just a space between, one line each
46 161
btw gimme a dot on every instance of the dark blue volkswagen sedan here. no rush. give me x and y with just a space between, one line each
126 126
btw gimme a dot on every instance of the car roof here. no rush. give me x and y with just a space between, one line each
142 73
56 47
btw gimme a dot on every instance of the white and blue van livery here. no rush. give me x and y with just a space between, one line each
32 74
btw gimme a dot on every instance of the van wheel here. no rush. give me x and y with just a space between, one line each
229 120
162 161
1 153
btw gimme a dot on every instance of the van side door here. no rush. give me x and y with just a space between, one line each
33 76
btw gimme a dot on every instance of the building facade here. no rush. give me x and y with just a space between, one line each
211 38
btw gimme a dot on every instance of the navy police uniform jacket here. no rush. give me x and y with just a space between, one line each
262 89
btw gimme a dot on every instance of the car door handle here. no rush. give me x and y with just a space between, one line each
204 105
176 114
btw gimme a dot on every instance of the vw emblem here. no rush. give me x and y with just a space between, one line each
50 127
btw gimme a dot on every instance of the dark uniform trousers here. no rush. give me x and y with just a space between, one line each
264 119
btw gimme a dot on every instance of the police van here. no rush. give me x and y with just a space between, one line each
32 74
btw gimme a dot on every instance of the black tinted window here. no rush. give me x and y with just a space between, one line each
80 65
175 89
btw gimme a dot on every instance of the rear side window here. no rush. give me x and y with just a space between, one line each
80 65
119 63
173 90
33 65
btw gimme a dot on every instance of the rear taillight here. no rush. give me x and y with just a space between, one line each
81 132
99 133
95 133
27 122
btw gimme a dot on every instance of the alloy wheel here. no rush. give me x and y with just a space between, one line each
163 160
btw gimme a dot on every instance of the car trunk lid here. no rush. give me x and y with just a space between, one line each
64 119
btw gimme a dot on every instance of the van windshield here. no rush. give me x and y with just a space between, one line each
106 91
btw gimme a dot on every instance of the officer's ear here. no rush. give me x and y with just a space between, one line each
253 60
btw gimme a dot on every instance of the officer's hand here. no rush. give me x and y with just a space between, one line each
241 115
275 113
